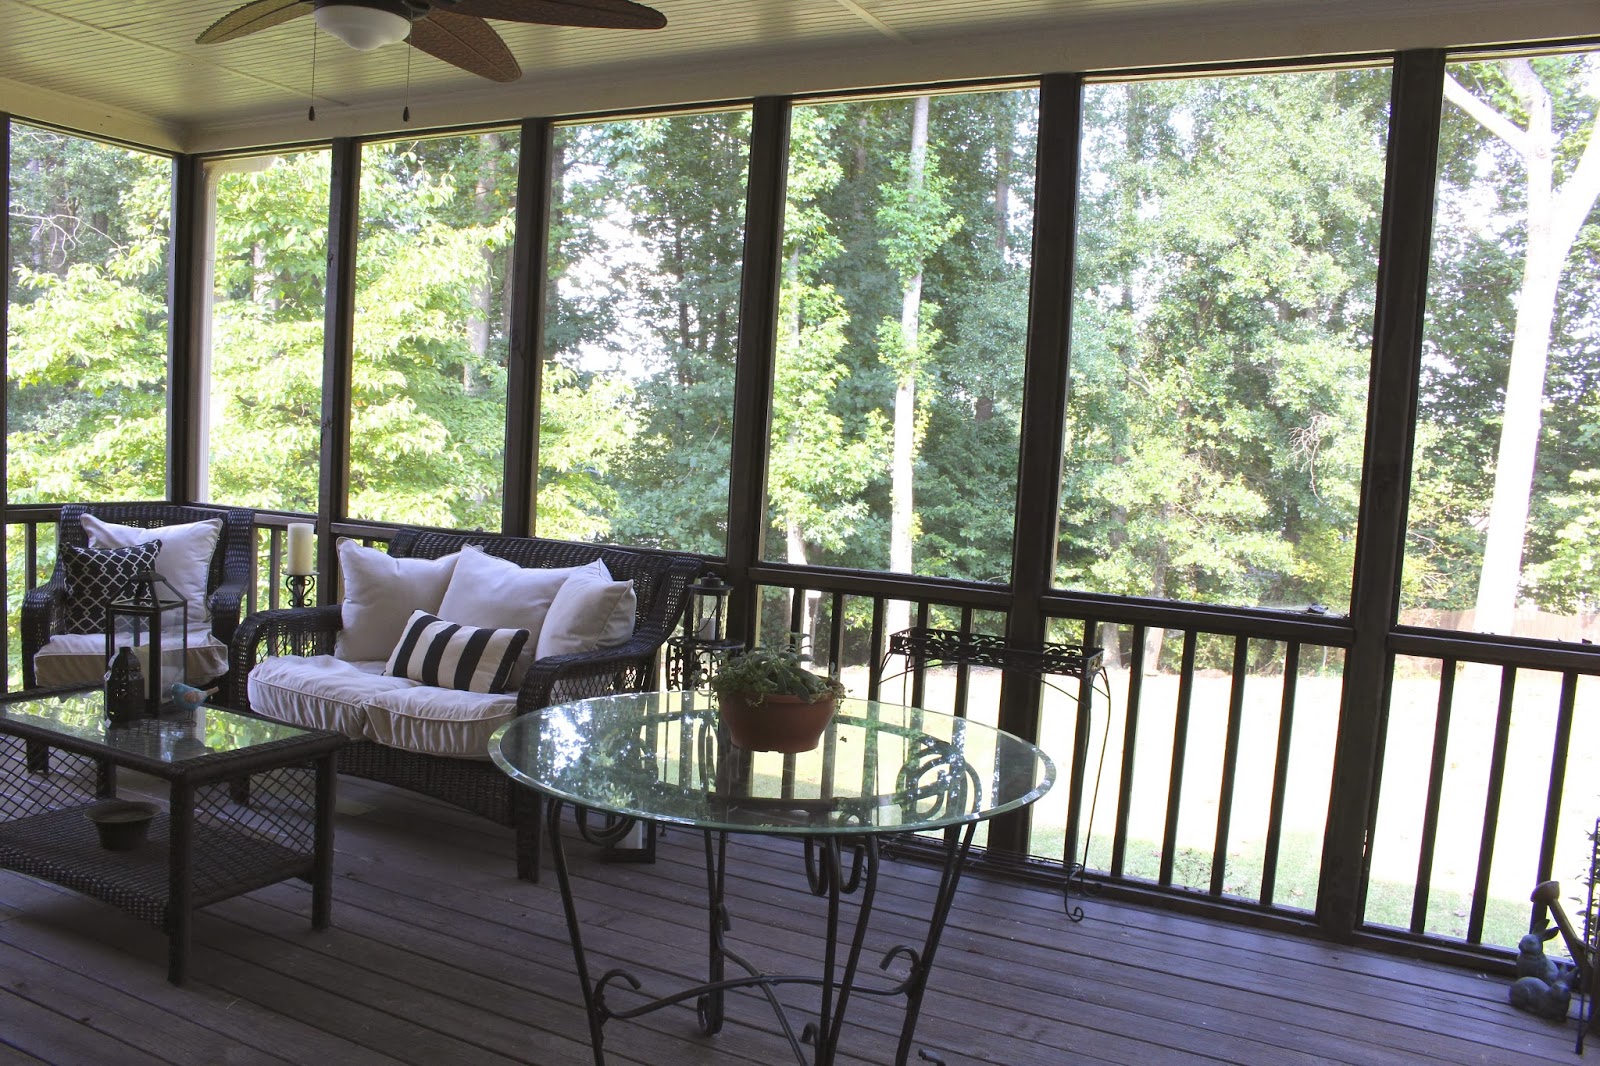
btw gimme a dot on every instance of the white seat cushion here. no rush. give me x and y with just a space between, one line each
320 691
184 559
80 658
438 721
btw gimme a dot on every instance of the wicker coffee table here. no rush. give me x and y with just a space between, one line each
250 803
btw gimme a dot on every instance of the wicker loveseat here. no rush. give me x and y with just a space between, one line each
463 777
79 658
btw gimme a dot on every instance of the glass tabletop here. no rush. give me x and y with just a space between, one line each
880 767
173 737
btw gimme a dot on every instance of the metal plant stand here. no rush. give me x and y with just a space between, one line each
1588 1020
924 648
665 757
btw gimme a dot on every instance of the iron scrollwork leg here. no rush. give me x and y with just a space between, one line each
832 880
957 846
827 877
709 1007
593 1005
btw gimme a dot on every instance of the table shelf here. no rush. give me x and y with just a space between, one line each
63 847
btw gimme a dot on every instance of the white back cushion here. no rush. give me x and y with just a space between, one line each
380 593
589 612
494 593
184 559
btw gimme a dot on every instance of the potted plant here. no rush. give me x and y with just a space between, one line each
771 702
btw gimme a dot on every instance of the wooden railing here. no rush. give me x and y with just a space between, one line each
1490 780
1201 774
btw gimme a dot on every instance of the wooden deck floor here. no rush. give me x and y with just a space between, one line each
438 955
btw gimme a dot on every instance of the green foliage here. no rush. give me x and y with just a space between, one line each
87 345
1221 338
1222 328
768 671
1480 243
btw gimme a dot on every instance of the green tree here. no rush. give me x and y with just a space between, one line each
1222 337
1542 118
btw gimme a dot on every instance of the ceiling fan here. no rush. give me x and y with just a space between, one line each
451 30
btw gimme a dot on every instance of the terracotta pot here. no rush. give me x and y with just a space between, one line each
777 723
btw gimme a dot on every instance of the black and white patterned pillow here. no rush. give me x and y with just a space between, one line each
96 577
451 655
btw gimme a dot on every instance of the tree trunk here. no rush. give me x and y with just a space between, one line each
901 506
1554 219
1002 181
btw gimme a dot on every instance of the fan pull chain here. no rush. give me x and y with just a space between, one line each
405 114
311 112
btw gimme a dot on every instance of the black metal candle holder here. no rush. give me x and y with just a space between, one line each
301 588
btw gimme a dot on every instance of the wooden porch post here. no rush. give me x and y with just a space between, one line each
1044 407
184 306
338 347
525 354
1403 253
758 339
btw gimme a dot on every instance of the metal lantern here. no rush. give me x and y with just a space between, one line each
154 622
693 658
707 598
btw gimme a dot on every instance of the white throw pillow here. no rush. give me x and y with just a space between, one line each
184 559
590 612
494 593
380 593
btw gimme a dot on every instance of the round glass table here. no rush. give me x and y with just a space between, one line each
880 769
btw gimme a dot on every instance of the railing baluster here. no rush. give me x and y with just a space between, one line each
30 552
836 634
1180 744
877 642
1558 780
1230 765
797 610
1280 772
1491 806
963 668
1430 812
919 676
1130 737
1080 761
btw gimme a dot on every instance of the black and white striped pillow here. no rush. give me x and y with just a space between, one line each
451 655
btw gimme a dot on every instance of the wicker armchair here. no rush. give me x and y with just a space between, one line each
43 608
477 785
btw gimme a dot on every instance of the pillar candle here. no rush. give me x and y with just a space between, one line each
300 548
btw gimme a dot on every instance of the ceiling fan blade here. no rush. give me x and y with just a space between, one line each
601 14
467 42
251 18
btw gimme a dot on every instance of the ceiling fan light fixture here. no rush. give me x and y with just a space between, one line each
364 26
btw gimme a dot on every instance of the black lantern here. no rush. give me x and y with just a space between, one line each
154 622
692 658
707 598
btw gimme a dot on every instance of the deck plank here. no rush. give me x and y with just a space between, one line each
437 954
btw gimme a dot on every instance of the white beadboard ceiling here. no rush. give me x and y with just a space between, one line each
130 68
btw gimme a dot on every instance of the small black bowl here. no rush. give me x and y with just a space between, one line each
123 824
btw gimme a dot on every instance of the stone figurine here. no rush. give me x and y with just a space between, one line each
1537 997
1533 962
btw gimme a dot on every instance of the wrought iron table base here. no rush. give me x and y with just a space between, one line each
827 876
